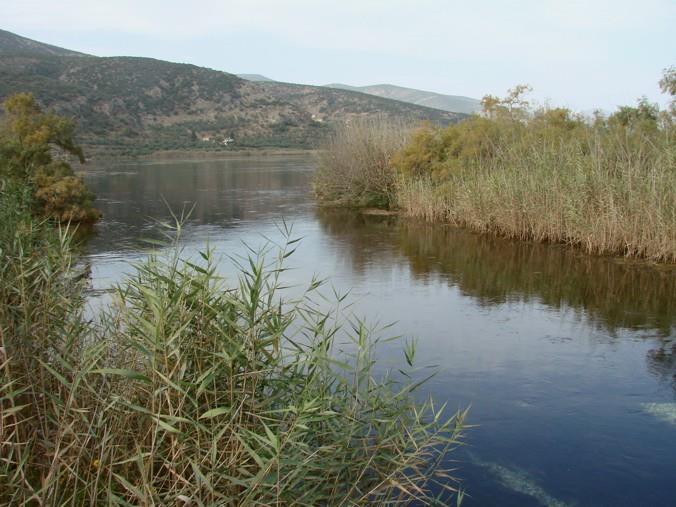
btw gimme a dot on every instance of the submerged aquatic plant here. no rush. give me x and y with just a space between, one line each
665 412
518 480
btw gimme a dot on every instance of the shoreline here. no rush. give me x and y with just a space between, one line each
188 155
400 214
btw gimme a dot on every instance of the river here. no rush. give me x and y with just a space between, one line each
567 362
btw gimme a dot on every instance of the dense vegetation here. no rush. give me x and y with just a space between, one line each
356 165
34 151
134 106
606 185
187 391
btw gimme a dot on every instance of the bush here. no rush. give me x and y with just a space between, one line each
29 138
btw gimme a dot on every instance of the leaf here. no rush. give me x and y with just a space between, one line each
166 426
130 374
215 412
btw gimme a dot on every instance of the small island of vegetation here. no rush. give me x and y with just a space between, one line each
606 185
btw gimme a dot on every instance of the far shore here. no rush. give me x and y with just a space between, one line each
200 154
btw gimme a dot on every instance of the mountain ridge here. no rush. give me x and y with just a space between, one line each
11 43
254 77
451 103
134 105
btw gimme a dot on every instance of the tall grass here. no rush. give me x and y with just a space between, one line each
355 166
606 191
189 391
606 186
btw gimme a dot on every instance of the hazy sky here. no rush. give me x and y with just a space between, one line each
583 54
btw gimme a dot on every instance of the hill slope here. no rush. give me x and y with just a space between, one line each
255 77
11 43
453 103
133 105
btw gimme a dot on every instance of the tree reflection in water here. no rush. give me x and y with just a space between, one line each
610 293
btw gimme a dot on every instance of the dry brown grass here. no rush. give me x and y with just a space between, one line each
355 167
609 192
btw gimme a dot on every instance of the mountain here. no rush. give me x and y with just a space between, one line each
12 44
133 105
255 77
453 103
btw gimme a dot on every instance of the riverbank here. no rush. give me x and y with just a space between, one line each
604 186
187 155
518 328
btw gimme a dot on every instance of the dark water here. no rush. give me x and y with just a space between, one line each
568 362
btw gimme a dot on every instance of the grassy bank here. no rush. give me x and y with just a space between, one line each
192 392
607 186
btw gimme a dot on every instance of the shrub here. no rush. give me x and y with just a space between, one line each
29 139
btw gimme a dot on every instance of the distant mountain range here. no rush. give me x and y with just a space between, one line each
454 103
136 105
451 103
255 78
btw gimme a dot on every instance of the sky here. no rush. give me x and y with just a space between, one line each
579 54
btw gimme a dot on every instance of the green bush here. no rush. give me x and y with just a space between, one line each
28 140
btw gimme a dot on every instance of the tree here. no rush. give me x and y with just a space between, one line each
668 81
644 115
513 106
668 86
29 141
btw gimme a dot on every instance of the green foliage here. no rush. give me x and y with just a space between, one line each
28 139
604 185
437 152
644 116
191 392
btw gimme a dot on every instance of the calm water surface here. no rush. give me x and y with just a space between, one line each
568 362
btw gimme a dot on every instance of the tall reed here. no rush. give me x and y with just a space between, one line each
605 185
606 191
189 391
355 166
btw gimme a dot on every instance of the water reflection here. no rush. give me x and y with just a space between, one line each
662 363
495 271
604 292
218 193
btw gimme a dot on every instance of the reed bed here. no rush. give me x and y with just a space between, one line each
606 186
605 192
355 168
189 391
